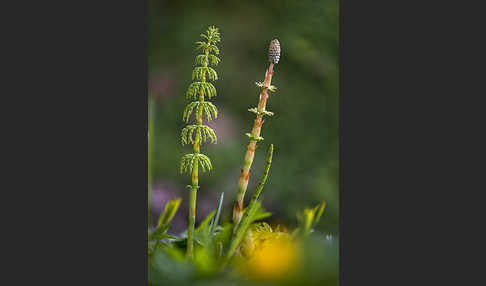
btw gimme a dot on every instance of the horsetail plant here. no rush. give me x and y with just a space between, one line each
260 111
198 133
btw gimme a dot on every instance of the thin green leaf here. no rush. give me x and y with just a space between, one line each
205 223
158 232
319 210
171 208
215 222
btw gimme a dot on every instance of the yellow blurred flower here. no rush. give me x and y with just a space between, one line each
269 254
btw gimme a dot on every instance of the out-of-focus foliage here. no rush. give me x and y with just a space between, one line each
304 128
266 256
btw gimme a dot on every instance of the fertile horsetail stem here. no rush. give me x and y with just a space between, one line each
260 111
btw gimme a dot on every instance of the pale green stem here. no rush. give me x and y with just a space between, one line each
195 178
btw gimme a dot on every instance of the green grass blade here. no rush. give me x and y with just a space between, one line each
170 209
215 222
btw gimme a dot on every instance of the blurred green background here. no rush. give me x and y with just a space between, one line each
304 128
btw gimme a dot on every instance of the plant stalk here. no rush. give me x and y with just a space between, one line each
192 221
201 88
259 189
250 153
192 198
195 178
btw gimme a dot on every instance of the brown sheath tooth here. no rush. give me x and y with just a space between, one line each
237 207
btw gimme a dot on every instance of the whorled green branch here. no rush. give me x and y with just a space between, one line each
188 162
198 87
200 73
202 132
209 108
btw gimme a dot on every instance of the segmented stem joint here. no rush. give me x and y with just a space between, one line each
262 85
255 138
255 110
